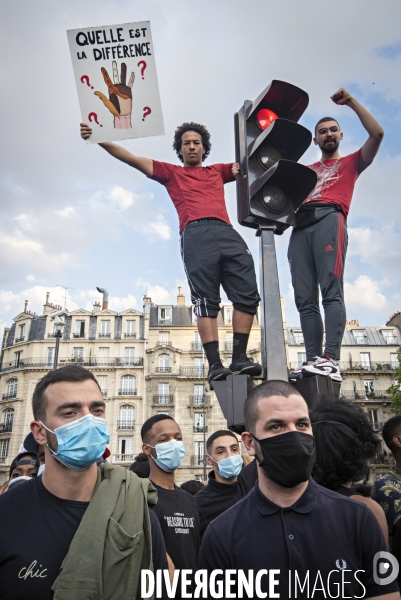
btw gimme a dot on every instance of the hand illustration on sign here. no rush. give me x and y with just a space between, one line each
119 102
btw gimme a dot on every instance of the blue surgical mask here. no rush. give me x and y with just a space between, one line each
169 455
81 442
230 467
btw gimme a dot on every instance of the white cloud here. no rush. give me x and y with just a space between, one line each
365 293
123 198
378 247
66 212
161 228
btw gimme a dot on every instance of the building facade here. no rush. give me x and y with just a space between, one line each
152 362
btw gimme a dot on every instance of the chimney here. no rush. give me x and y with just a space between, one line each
180 298
47 297
96 307
105 303
26 306
146 304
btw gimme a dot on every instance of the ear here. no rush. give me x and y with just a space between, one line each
39 433
341 135
248 443
146 450
315 141
397 441
209 460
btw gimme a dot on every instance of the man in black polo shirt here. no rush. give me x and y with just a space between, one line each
222 490
300 540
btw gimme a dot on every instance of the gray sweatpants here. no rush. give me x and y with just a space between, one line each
316 255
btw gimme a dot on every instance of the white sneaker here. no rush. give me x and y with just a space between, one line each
323 365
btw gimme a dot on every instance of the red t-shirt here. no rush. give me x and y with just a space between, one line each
336 180
196 192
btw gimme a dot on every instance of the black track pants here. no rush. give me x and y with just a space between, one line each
316 255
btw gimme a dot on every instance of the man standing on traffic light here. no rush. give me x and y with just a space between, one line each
318 242
213 252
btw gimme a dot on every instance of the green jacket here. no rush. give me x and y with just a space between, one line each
113 541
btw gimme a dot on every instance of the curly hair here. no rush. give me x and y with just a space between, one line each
201 129
344 442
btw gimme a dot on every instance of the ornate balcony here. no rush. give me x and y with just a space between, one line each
128 424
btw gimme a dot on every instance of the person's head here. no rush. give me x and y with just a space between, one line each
344 443
162 443
391 433
31 445
220 446
192 143
193 486
328 135
277 425
25 464
60 398
140 466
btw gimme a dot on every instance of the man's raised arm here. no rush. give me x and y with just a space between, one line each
145 165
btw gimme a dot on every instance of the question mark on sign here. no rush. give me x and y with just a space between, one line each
84 79
146 112
93 117
144 65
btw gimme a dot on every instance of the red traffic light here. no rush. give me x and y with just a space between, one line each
265 117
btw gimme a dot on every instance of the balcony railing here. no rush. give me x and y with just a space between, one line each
51 335
104 392
197 346
357 366
197 461
20 339
130 392
9 395
130 335
6 427
125 424
192 371
90 361
168 343
79 335
163 399
163 369
199 400
164 322
124 458
105 335
363 394
200 428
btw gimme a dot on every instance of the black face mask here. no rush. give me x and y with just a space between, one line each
287 458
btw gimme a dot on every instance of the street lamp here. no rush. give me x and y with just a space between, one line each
58 326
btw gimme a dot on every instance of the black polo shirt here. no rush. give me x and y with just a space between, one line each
215 498
248 477
322 532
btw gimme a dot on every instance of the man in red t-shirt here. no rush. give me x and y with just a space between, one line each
212 251
318 242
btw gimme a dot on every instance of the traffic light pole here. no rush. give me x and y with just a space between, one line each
274 358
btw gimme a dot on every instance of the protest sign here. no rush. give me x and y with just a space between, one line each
115 74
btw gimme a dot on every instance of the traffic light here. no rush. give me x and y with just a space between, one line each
269 141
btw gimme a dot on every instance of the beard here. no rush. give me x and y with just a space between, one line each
329 147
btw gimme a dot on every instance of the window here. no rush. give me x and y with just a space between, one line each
18 358
164 363
126 447
164 393
105 329
198 367
78 353
128 385
228 316
199 422
79 329
394 360
164 338
360 336
298 337
365 360
4 444
21 335
373 416
50 357
129 354
389 336
165 315
12 388
103 356
369 386
199 453
301 358
199 391
126 417
131 329
102 381
197 342
8 417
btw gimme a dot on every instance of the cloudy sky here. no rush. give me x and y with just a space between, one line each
73 216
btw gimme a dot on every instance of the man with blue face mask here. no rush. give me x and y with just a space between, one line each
176 510
71 515
223 489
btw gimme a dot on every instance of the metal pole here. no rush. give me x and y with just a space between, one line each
57 335
274 358
204 419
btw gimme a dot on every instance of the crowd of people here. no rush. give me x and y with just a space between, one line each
75 526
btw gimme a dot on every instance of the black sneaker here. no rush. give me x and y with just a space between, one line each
217 372
245 366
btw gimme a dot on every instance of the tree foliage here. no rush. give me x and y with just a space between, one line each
394 390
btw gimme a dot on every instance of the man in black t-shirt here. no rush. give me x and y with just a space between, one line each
39 519
176 510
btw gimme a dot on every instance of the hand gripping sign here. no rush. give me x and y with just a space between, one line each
119 108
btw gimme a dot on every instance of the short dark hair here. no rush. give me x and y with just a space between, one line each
201 129
193 486
344 441
141 466
218 434
70 373
275 387
391 428
147 426
324 120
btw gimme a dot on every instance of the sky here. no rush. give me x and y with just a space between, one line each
73 216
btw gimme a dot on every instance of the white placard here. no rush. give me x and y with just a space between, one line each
115 74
